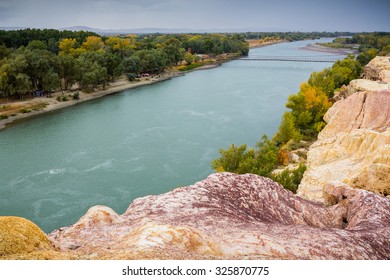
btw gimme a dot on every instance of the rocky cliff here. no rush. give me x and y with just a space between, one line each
234 217
354 146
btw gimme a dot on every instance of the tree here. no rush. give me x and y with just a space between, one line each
50 81
189 58
66 45
173 51
287 130
122 46
308 107
92 74
22 84
68 69
131 65
151 61
231 159
36 45
93 43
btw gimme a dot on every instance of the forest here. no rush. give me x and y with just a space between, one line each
34 60
303 120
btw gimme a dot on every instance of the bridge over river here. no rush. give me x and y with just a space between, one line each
311 58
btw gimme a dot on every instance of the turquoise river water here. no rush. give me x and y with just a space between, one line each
143 141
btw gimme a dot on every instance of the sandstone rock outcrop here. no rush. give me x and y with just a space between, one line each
378 69
21 236
354 146
235 216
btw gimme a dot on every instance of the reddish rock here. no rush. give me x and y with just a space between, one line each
237 216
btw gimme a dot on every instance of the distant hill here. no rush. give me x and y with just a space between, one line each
152 30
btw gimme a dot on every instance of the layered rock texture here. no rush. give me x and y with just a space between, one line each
354 146
234 217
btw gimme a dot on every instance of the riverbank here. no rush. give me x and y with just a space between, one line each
21 110
254 44
16 111
335 51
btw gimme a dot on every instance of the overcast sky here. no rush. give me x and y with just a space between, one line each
264 15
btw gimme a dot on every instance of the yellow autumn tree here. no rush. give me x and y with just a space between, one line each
93 43
308 107
66 45
120 44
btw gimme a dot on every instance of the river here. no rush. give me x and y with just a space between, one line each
143 141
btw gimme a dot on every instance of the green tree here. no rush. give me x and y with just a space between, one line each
231 159
287 130
131 65
50 81
22 85
68 69
151 61
174 53
189 58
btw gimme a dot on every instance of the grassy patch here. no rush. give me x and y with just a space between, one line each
4 108
25 110
61 98
190 67
39 106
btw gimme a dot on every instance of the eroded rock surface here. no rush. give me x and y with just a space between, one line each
354 146
236 216
378 69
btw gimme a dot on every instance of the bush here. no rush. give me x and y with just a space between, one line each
3 117
290 179
25 110
61 98
76 95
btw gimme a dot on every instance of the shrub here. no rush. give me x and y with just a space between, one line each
290 179
61 98
25 110
76 95
3 117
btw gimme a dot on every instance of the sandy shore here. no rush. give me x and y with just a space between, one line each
254 44
319 48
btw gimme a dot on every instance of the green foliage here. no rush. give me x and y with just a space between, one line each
287 130
290 179
25 110
131 66
62 98
76 95
239 159
189 58
190 67
151 61
3 117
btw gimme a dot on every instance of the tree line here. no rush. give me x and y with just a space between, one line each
304 118
36 60
296 36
